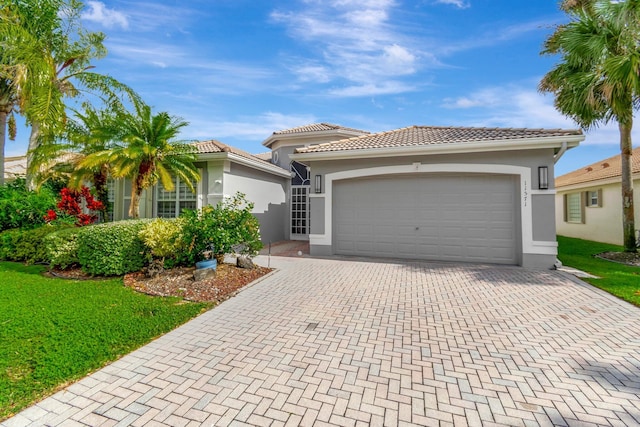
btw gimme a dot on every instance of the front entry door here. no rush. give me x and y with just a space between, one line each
300 212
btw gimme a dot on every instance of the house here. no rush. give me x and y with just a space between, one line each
423 192
589 200
224 170
437 193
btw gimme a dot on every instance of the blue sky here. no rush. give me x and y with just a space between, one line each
237 70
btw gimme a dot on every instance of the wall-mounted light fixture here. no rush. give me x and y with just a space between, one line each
318 184
543 177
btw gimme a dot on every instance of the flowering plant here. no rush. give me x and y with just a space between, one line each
70 207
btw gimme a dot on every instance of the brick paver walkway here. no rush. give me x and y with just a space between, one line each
350 343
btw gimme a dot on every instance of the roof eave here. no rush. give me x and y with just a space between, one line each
446 148
596 182
255 164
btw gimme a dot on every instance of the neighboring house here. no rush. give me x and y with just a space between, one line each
589 200
14 167
435 193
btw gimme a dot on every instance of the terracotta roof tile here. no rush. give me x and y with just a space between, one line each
214 146
603 169
316 127
433 135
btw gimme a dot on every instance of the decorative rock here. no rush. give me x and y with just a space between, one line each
244 261
203 274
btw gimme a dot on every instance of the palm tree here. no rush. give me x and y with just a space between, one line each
148 153
7 102
598 78
48 57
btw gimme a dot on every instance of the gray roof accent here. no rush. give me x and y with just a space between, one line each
415 136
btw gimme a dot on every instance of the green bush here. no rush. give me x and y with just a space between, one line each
227 227
112 249
21 208
26 245
163 238
62 247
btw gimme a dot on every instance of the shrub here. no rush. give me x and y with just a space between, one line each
163 237
26 245
21 208
226 226
112 249
70 209
62 247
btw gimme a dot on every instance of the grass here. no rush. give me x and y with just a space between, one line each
620 280
54 331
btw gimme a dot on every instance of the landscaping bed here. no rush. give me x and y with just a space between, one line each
179 282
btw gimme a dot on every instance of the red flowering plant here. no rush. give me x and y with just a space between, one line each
70 208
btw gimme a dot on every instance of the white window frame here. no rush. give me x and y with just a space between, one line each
594 198
159 190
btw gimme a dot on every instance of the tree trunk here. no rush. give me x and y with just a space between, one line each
33 144
136 191
628 219
3 135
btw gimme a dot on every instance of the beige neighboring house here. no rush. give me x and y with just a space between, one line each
14 167
589 201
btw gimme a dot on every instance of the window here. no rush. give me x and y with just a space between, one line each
171 203
594 198
573 208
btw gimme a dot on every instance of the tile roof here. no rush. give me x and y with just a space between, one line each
603 169
15 166
214 146
316 127
265 156
433 135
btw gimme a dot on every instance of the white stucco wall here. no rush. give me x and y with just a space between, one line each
601 224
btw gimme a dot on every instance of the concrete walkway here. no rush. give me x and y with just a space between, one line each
354 343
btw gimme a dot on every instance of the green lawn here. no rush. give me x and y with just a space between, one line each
620 280
53 331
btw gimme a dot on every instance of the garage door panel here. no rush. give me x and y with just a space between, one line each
438 216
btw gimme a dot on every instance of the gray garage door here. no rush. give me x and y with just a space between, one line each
470 218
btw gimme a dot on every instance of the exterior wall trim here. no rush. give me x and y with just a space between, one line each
529 246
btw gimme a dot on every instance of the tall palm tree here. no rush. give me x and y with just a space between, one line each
598 77
148 153
49 59
7 102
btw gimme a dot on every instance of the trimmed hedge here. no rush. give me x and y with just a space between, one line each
26 245
112 249
62 247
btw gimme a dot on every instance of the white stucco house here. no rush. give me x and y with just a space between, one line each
589 200
421 192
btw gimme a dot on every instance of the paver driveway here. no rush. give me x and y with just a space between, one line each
331 342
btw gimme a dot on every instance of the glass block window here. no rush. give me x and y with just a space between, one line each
574 208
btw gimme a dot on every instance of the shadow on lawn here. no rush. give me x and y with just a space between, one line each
22 268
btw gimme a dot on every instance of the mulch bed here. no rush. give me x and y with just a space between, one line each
629 258
179 282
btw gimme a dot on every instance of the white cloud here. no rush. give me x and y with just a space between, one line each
457 3
256 128
372 89
521 107
357 45
108 18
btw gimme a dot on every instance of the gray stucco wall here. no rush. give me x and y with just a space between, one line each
268 194
542 201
